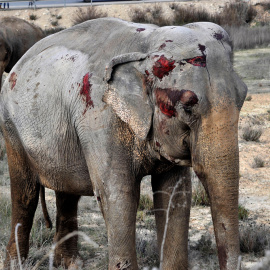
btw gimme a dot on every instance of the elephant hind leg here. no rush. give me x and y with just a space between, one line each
66 222
24 198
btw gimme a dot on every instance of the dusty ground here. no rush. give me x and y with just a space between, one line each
254 182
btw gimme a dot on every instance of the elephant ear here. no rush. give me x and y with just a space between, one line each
127 94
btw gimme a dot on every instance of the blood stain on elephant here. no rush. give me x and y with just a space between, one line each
86 91
163 67
168 98
158 144
13 80
222 254
218 36
198 61
188 98
202 48
162 46
140 29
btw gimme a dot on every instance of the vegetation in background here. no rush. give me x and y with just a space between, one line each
32 17
254 238
89 14
199 195
248 98
204 245
242 212
51 31
54 23
251 133
235 18
258 163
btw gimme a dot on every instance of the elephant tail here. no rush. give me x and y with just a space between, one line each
47 218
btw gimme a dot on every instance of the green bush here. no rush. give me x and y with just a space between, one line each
199 195
248 98
242 212
145 203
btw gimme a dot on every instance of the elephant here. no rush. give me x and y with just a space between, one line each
91 110
16 37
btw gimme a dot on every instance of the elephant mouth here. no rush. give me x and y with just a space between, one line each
180 162
183 162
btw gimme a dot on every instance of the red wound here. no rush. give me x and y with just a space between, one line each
198 61
167 99
163 67
162 46
13 80
85 91
140 29
167 109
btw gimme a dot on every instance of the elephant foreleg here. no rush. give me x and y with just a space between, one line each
66 222
119 204
172 201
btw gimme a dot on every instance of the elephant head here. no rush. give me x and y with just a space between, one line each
184 98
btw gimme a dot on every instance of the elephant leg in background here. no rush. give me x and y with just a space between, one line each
66 222
24 196
177 181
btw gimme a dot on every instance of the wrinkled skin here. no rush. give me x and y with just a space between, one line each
16 37
108 102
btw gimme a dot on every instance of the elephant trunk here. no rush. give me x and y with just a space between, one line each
215 158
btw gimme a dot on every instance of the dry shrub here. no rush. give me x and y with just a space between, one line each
199 195
152 15
258 163
89 14
184 15
244 37
251 134
254 238
51 31
237 13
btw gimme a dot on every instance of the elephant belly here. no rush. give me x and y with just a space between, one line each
58 160
74 180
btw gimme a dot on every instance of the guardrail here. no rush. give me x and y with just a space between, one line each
23 4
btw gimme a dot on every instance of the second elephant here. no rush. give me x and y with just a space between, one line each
16 37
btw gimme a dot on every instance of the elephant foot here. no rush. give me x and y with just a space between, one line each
68 263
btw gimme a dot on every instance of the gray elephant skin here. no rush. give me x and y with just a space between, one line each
16 37
94 108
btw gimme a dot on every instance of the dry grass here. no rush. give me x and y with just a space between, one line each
251 133
90 14
235 18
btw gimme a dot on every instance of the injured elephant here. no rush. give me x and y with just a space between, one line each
108 102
